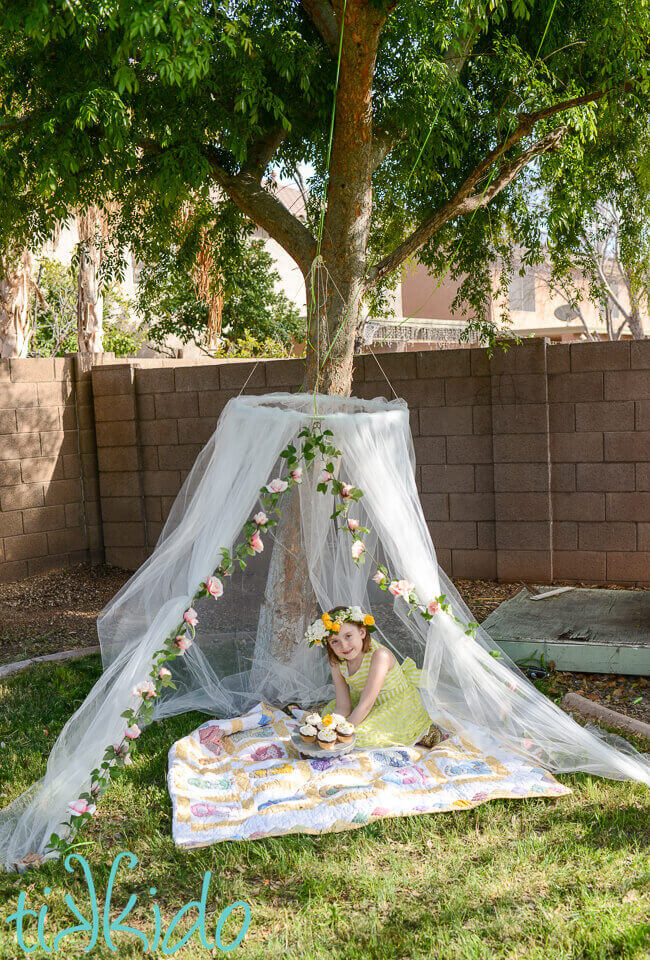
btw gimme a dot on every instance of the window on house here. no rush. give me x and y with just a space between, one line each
521 294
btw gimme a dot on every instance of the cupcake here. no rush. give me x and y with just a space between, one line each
327 739
338 718
345 732
308 732
313 719
327 723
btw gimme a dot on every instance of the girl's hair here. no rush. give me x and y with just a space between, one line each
332 657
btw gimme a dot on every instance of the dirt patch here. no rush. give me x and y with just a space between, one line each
56 611
625 694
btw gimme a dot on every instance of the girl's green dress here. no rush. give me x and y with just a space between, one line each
398 716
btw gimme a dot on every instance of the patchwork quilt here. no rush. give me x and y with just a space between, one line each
243 778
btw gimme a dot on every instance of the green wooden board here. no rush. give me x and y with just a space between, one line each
586 630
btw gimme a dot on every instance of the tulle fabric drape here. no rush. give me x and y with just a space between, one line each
230 667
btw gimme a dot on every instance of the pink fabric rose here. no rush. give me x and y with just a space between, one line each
164 672
145 689
433 606
277 486
400 588
296 475
379 577
132 732
346 489
325 476
261 519
357 548
190 617
183 643
77 807
256 542
353 524
214 586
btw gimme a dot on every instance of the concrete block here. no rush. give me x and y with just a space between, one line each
11 524
39 519
443 421
62 491
627 384
628 506
19 445
607 536
576 387
629 446
605 476
197 378
607 355
576 447
474 449
628 567
32 369
21 496
115 408
578 506
589 566
42 469
25 546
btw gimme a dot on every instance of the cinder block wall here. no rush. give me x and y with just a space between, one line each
49 493
532 464
599 408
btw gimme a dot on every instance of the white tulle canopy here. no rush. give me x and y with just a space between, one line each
238 658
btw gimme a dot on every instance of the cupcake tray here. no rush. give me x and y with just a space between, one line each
313 750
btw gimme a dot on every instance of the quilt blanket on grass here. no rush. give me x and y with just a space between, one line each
241 779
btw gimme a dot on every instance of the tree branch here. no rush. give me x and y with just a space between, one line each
509 171
463 201
464 49
610 291
321 14
383 140
262 150
267 211
581 101
382 143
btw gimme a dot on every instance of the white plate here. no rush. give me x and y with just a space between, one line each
313 750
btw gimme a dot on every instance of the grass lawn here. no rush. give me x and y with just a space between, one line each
547 879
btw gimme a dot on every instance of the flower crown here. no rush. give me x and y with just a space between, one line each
324 626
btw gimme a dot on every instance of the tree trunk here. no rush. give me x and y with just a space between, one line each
90 302
335 285
16 278
210 289
334 291
289 604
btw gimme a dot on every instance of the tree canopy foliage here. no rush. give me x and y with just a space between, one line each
449 114
255 316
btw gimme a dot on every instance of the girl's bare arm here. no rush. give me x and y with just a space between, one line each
343 701
380 663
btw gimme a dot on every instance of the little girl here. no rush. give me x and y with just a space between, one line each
375 692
